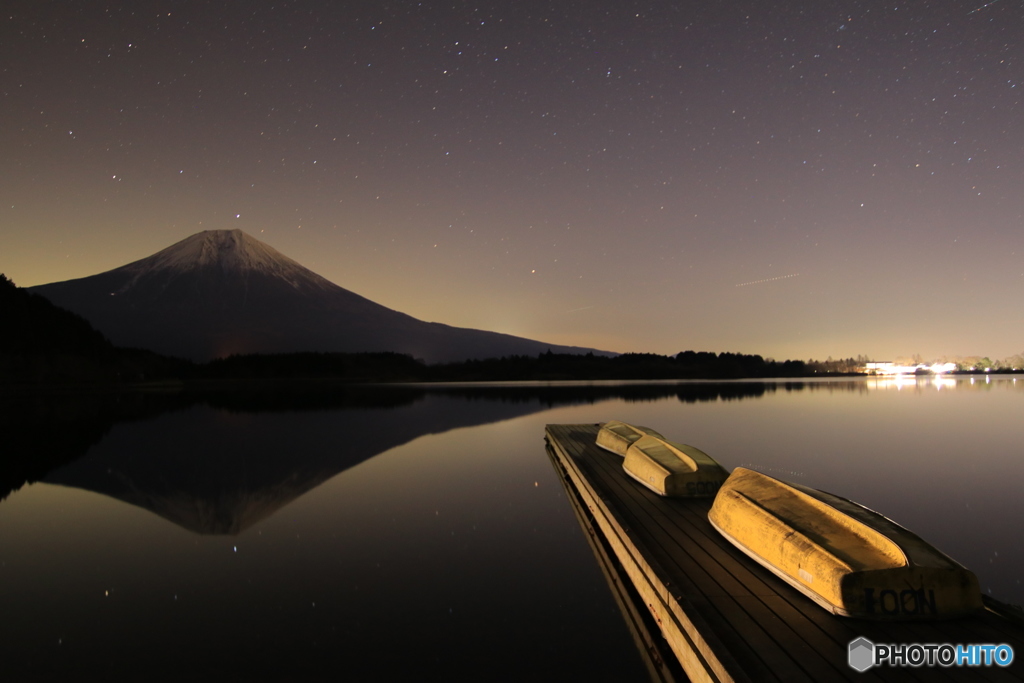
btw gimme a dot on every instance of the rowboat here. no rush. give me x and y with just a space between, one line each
617 436
673 469
849 559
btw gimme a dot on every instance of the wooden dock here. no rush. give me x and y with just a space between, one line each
721 614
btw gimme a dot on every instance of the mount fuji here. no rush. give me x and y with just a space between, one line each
223 292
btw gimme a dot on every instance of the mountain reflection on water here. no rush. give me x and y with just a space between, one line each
419 531
217 485
243 469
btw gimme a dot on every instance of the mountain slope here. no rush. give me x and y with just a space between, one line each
222 292
35 326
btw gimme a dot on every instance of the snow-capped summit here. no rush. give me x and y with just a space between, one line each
229 251
222 292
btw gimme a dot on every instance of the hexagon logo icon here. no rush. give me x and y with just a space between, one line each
862 654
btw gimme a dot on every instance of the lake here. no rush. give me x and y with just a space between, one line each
420 532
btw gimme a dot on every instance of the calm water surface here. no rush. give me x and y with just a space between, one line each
422 533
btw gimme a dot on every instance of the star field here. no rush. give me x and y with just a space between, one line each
603 174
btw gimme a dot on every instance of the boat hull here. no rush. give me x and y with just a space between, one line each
616 437
850 560
673 469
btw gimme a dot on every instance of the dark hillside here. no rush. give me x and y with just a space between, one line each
43 343
34 326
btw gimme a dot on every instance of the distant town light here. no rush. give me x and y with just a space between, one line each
888 368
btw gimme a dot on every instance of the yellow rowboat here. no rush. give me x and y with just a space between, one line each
617 436
673 469
850 560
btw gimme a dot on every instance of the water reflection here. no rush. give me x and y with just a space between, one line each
938 382
228 470
315 529
211 486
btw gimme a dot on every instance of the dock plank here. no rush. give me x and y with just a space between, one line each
725 617
661 665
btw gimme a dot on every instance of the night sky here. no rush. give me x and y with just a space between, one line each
798 179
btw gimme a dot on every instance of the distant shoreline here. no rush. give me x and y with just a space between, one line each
200 382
